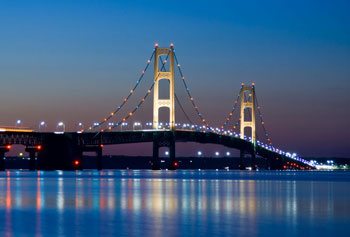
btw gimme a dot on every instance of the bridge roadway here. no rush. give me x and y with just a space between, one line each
64 151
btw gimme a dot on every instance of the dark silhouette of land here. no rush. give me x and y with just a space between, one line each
143 162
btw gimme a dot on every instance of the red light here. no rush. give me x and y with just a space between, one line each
176 164
8 147
101 145
284 167
156 45
76 162
38 147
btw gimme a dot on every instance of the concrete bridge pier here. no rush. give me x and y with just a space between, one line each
253 160
168 140
172 161
59 152
155 163
32 163
268 163
247 161
98 150
2 162
99 158
32 154
3 150
241 165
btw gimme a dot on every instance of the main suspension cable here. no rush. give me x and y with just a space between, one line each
189 94
262 121
131 113
112 114
233 109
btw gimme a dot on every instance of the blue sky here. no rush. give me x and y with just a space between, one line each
76 60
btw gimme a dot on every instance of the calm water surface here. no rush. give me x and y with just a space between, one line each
165 203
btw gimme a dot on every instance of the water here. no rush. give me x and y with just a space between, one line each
186 203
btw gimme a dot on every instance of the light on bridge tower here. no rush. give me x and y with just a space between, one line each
248 103
160 75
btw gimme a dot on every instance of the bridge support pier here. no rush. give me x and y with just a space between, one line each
3 150
253 160
32 154
98 150
59 152
168 141
172 162
32 163
2 162
243 162
155 160
268 163
99 158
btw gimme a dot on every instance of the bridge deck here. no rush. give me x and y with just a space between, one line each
140 136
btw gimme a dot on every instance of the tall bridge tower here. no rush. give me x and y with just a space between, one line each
248 102
164 75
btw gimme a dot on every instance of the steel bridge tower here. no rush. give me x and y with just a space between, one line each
161 75
248 103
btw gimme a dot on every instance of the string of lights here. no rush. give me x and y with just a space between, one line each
229 117
203 120
236 125
131 113
138 106
262 121
112 114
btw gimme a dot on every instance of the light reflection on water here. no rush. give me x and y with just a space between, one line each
91 203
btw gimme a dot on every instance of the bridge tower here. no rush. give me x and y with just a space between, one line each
248 102
161 75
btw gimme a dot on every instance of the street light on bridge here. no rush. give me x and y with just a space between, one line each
18 122
149 124
136 124
80 126
62 126
123 124
42 124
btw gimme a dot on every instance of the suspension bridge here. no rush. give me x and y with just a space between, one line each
64 150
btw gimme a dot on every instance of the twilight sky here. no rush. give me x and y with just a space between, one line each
75 61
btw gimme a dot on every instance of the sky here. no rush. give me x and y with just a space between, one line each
75 61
